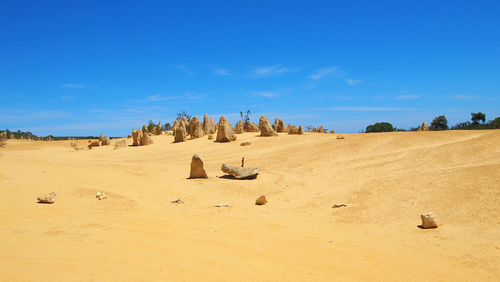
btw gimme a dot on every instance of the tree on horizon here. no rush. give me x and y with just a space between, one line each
439 123
476 117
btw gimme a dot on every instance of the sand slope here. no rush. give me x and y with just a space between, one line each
386 179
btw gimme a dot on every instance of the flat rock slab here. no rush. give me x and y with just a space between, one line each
240 172
47 199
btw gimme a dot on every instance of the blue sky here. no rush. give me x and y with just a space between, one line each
85 67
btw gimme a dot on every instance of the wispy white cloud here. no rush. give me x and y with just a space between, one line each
76 128
330 71
266 94
135 111
27 116
309 86
184 98
343 97
190 98
221 72
98 110
367 109
72 85
352 82
159 97
271 70
463 97
231 117
407 97
114 121
492 99
184 69
67 98
378 97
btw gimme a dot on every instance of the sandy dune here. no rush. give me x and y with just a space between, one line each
387 181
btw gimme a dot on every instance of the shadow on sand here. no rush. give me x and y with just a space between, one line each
422 227
228 176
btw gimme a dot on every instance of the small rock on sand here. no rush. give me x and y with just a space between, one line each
340 137
47 199
101 195
245 144
261 200
177 201
339 205
222 205
428 220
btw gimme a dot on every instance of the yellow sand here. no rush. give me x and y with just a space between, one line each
387 180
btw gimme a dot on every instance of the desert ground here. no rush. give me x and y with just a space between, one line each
386 179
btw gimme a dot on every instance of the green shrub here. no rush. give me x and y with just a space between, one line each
380 127
439 123
494 124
